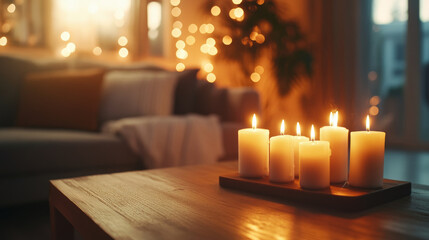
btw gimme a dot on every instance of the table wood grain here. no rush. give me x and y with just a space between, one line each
188 203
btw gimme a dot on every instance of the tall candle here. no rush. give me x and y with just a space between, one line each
367 158
338 138
314 163
253 145
296 140
281 157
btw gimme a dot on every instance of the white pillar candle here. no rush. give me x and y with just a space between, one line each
367 158
314 163
338 138
253 145
296 140
281 157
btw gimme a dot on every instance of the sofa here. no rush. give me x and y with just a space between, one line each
30 155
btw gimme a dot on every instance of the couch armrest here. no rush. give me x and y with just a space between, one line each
242 103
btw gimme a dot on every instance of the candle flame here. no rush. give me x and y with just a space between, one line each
330 119
298 129
367 123
312 135
335 119
254 121
282 127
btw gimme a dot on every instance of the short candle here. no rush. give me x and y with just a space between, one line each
296 140
367 158
253 145
281 157
338 138
314 163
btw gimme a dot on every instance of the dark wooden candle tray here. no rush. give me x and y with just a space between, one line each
338 197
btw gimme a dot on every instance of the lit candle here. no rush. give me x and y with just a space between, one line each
281 157
367 158
338 138
296 140
314 163
253 145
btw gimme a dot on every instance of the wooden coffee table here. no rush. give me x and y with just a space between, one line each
188 203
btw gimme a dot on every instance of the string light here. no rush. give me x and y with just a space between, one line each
180 67
192 28
71 47
3 41
175 2
176 32
177 24
190 40
97 51
11 8
180 44
255 77
211 77
175 12
122 41
215 10
65 36
123 52
227 40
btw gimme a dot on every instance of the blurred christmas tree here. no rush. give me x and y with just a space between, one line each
256 28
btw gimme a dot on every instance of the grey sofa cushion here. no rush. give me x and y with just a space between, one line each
25 152
12 73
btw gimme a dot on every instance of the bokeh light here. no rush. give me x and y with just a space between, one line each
3 41
11 8
176 32
193 28
375 100
122 41
97 51
178 24
208 67
71 47
181 54
180 44
227 40
236 1
373 110
65 36
175 2
190 40
211 77
180 67
215 11
259 69
175 12
123 52
255 77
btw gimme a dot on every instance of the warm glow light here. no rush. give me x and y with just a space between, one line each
192 28
180 44
255 77
123 52
227 40
175 2
238 12
71 47
119 14
312 134
11 8
373 110
215 11
65 36
333 119
232 13
260 2
203 29
298 129
260 38
211 77
282 127
253 36
205 48
65 52
175 12
97 51
212 50
154 12
178 24
93 8
367 123
375 100
181 54
259 69
190 40
3 41
254 121
208 67
122 41
180 67
211 41
176 32
236 1
210 28
330 119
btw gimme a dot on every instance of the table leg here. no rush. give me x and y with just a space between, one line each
60 226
